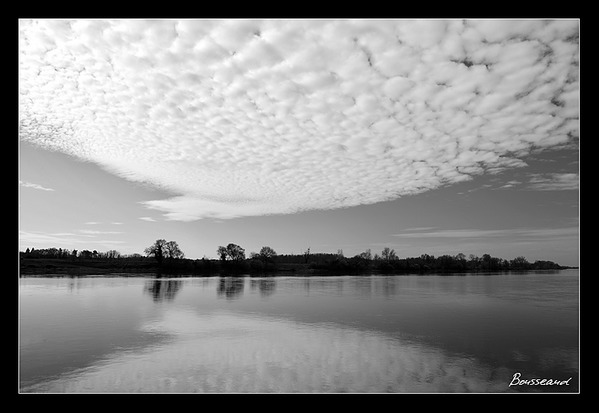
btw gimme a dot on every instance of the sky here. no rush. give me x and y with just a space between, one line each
426 136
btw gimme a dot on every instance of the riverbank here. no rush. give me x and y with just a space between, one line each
143 265
67 266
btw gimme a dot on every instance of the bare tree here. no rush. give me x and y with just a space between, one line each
388 254
157 250
172 250
113 254
307 255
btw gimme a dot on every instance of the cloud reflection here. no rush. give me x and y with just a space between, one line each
225 352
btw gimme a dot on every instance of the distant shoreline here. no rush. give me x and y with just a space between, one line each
59 267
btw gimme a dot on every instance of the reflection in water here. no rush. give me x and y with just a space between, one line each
364 286
226 352
230 287
266 286
74 284
313 334
161 290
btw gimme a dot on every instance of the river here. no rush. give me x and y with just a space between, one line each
283 334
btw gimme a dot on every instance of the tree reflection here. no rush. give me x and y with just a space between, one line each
230 287
74 284
266 286
161 290
389 287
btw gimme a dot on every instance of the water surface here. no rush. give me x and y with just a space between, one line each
359 334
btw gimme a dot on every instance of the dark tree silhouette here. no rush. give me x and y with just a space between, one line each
231 252
157 250
388 254
266 254
85 254
162 249
366 255
235 252
172 250
111 254
307 255
222 253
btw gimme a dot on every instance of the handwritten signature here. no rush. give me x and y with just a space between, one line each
517 381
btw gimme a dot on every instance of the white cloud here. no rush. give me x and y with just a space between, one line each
554 182
43 239
243 117
29 238
512 233
34 186
149 219
92 232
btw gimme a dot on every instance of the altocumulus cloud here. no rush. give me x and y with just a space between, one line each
243 117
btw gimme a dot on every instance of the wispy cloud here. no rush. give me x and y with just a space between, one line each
34 186
288 116
528 233
102 223
48 239
414 229
510 184
92 232
43 239
149 219
555 182
110 242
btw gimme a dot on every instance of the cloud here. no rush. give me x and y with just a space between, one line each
83 239
34 186
520 233
29 238
244 118
555 182
100 223
91 232
52 238
149 219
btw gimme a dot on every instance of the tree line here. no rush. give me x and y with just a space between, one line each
168 256
389 262
66 253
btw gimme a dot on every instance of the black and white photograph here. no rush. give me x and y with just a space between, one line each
298 205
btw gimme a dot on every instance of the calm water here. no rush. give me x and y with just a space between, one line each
299 334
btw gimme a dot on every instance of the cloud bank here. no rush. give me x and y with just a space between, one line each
245 118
